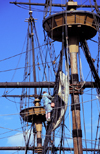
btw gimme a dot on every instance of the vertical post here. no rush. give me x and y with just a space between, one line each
38 125
31 19
29 5
75 108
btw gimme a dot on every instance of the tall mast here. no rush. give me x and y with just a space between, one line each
76 132
75 108
31 20
77 24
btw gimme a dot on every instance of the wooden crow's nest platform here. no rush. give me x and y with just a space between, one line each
31 114
75 23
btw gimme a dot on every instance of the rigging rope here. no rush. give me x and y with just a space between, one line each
40 50
85 48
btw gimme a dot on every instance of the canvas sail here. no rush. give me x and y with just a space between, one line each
63 93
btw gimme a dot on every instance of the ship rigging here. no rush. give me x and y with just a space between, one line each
56 67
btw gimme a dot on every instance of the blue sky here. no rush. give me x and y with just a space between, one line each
13 32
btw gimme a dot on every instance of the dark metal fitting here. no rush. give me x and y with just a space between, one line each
39 140
75 107
77 133
74 77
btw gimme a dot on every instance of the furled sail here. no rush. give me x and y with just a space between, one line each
62 98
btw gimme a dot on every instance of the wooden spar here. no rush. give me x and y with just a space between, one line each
80 85
26 84
35 96
54 5
44 85
31 21
38 125
56 148
77 132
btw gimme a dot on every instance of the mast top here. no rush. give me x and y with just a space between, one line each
71 5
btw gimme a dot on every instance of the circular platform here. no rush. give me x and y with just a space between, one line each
32 113
79 23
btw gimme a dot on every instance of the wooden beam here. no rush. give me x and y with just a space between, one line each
55 5
26 84
56 148
44 85
35 96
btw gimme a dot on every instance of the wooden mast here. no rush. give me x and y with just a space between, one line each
31 20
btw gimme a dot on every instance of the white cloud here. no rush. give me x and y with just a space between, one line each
16 140
8 118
